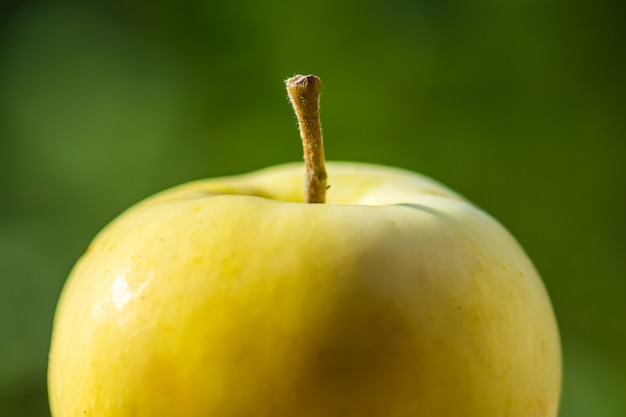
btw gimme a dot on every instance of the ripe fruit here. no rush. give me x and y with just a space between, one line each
231 297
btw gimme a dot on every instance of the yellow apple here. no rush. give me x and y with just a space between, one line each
232 297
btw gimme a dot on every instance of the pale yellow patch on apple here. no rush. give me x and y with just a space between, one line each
231 298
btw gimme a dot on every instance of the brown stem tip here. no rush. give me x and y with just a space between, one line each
304 95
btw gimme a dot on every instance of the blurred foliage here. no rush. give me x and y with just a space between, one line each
518 105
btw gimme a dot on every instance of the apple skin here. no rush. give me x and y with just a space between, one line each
230 297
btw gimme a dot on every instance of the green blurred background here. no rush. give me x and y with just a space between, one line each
519 105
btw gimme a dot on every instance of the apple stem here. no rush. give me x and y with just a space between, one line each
304 95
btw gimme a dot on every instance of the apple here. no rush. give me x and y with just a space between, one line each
389 295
